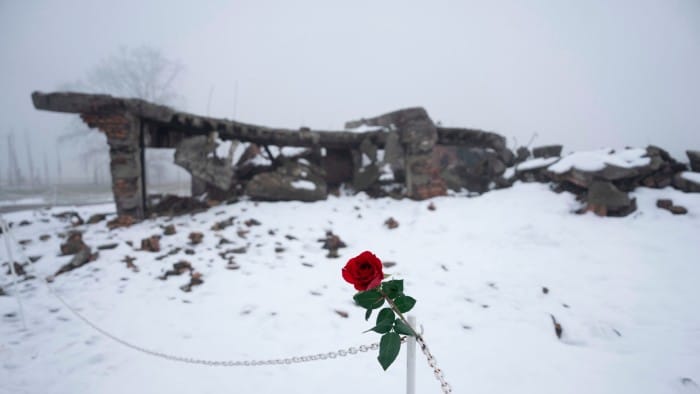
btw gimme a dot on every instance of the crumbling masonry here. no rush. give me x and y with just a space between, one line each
424 158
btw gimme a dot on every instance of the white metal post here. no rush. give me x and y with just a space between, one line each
411 359
6 236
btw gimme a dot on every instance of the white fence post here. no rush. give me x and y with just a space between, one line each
411 359
6 236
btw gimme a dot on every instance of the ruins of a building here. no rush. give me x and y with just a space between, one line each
400 154
417 154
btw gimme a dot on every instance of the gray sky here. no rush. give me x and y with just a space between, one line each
585 74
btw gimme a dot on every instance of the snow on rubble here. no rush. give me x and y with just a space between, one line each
597 160
489 273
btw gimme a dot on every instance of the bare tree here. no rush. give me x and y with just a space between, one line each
14 174
30 160
143 73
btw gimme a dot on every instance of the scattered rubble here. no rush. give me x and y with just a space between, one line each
558 329
129 261
196 237
172 252
547 151
694 158
121 221
151 244
521 154
604 199
71 216
332 242
73 244
687 181
668 205
292 180
218 226
195 280
252 222
107 246
179 268
96 218
79 259
169 230
391 223
678 210
18 268
171 205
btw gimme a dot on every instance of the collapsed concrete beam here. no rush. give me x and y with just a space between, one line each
165 119
197 156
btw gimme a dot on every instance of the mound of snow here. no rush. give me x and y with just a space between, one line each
591 161
691 176
535 163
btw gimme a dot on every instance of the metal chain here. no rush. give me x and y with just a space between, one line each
227 363
190 360
446 388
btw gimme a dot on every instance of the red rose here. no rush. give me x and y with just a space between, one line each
364 271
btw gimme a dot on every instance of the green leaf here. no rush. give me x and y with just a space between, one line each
385 315
385 320
382 328
404 303
389 347
393 288
370 299
402 328
368 314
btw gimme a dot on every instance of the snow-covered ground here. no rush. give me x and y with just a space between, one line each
625 291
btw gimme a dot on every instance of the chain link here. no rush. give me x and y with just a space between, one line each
446 388
190 360
223 363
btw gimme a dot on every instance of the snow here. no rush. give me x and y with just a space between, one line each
536 163
386 173
691 176
597 160
366 160
23 201
261 160
303 184
223 147
364 128
624 290
292 150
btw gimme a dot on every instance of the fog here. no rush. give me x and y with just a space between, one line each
583 74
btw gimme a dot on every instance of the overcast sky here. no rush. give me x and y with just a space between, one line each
586 74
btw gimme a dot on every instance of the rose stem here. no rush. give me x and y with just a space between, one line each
401 316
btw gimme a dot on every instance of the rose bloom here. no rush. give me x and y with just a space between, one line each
364 271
